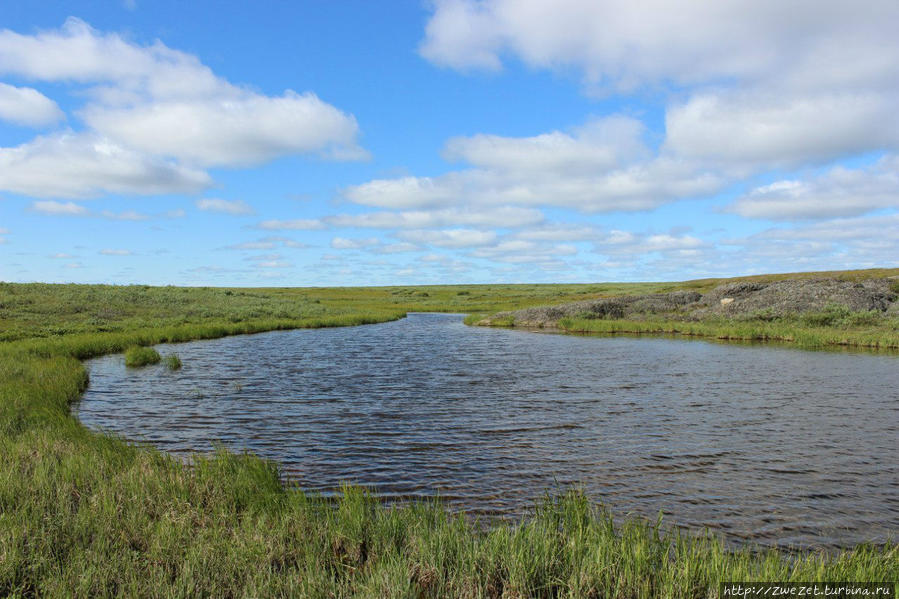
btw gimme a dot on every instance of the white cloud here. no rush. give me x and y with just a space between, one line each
299 224
267 243
619 243
267 261
231 131
559 232
857 242
748 130
838 193
450 238
625 44
634 188
600 167
56 208
664 243
342 243
155 116
59 208
762 84
840 230
61 256
274 264
224 206
264 257
600 145
252 245
397 248
502 216
76 165
27 106
518 251
116 252
131 215
405 192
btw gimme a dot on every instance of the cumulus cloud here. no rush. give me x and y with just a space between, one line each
624 44
600 167
56 208
298 224
267 243
502 216
235 207
232 131
855 229
518 251
839 192
397 248
449 238
746 131
764 84
856 242
342 243
617 242
27 106
78 165
59 208
155 117
252 245
273 264
116 252
559 232
633 188
600 145
131 215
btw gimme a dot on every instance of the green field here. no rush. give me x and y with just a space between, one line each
82 514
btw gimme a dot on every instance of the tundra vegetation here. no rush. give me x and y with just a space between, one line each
172 362
137 356
88 515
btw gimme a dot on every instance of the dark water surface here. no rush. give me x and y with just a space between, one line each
771 444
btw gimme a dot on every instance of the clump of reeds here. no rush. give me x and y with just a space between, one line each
172 362
136 356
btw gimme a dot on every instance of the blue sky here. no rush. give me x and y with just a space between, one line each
462 141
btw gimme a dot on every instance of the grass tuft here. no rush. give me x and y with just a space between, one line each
172 362
137 356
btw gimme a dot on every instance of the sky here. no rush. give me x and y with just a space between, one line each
455 141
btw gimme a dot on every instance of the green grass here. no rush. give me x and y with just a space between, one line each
137 356
829 328
86 515
172 362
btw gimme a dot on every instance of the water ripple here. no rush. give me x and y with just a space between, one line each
768 444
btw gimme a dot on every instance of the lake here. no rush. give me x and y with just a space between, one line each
763 443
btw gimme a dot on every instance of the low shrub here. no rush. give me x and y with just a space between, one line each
832 315
861 319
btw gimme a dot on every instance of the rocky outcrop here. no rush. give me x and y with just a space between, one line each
741 300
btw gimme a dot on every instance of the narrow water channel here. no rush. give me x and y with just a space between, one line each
762 443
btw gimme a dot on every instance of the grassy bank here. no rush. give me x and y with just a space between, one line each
86 515
797 321
883 335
